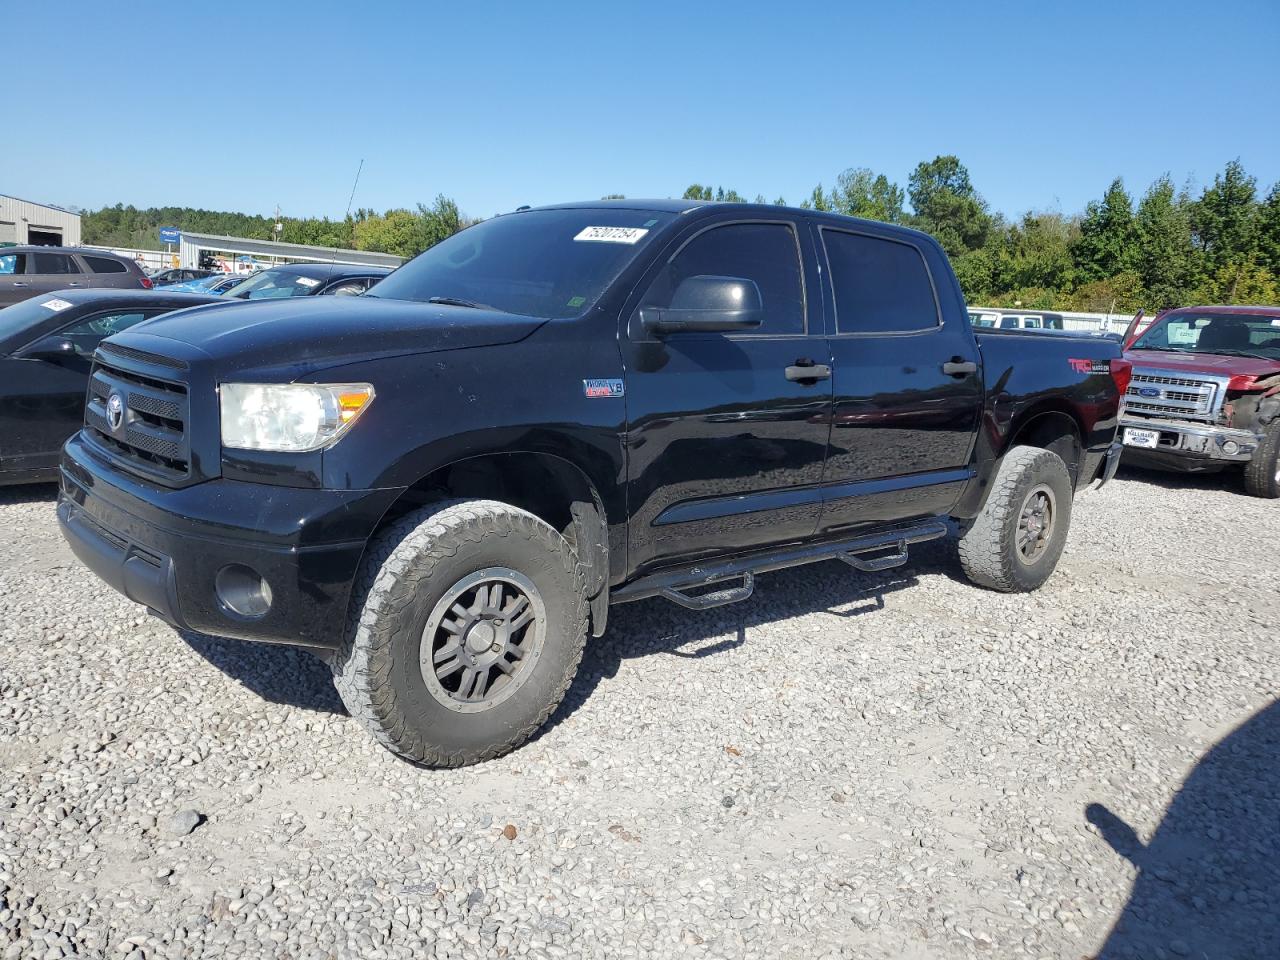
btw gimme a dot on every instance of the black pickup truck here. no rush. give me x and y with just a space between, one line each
443 484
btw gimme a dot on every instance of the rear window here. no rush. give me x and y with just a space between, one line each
55 263
881 286
13 263
105 265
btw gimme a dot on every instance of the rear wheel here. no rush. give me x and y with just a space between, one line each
1015 543
1262 473
466 629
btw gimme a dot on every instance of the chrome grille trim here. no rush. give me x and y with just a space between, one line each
1175 394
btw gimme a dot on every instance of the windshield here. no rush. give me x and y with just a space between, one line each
28 313
1229 334
540 263
273 283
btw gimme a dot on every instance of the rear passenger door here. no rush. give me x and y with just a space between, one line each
13 280
107 272
903 427
47 272
725 441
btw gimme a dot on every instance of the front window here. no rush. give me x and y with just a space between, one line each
1229 334
540 263
271 284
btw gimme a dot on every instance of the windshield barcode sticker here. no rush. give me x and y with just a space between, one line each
56 304
308 282
611 234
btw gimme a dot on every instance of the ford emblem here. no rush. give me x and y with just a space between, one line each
1149 392
115 411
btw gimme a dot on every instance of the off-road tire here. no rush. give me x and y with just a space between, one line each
1262 473
989 550
405 573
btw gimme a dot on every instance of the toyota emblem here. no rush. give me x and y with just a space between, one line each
115 411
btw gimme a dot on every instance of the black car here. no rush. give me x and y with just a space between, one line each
180 275
444 484
308 280
46 349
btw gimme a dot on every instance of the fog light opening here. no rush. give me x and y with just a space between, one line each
1230 447
242 592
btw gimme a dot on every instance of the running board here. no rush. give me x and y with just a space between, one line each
886 562
675 583
716 598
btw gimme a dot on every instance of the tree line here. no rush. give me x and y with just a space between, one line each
1173 247
1220 244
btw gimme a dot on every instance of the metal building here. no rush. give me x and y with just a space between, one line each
23 222
196 249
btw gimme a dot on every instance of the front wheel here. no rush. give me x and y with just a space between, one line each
1015 543
467 626
1262 473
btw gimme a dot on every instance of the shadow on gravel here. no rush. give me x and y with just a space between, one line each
285 675
657 626
29 493
1231 481
1209 881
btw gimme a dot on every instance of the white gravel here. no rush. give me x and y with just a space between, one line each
850 765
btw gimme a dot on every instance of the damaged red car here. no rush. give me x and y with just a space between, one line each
1205 393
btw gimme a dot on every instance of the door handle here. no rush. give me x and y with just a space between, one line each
958 367
19 283
803 371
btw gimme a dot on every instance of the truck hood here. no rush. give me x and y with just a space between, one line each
1210 363
302 334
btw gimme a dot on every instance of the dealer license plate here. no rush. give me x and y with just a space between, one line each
1142 438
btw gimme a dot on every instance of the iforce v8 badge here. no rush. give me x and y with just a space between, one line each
602 388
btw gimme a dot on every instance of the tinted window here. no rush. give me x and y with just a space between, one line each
763 252
105 265
86 335
52 263
881 286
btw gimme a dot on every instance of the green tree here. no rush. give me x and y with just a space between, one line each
947 206
1269 232
1105 246
1224 219
396 231
817 200
861 193
440 221
1164 257
697 191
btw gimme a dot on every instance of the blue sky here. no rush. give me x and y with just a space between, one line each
501 104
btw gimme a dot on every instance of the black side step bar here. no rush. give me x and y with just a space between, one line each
674 583
715 598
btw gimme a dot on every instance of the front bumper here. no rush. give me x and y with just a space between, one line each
164 548
1200 445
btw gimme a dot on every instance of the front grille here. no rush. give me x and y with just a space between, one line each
1170 395
151 438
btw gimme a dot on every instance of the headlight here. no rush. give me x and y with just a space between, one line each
293 417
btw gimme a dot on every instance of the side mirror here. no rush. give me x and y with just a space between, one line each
53 347
707 304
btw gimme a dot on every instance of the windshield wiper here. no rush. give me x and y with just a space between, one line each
460 302
1242 353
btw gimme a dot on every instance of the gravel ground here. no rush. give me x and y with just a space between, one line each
848 765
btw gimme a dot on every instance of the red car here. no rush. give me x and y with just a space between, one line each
1205 393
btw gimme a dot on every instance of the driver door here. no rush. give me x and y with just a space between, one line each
725 443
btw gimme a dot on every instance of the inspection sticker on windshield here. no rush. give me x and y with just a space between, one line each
55 304
611 234
308 282
602 388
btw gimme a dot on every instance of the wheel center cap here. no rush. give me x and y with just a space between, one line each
481 637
